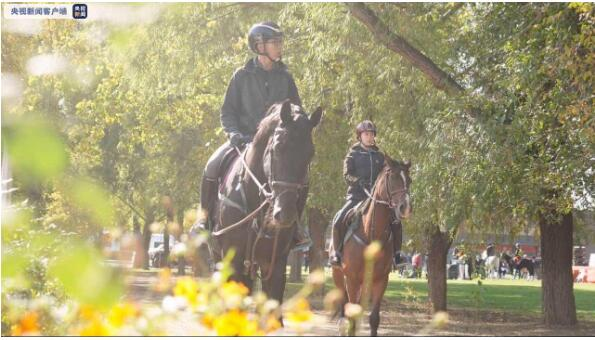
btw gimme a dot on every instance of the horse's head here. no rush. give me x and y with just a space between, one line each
286 160
393 186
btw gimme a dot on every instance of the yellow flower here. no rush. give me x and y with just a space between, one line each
87 312
272 324
234 323
187 288
440 319
28 325
372 250
234 288
207 320
121 313
164 281
299 311
96 328
233 293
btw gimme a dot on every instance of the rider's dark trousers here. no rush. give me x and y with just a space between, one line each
214 162
339 234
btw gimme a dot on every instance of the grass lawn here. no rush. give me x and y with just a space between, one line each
513 296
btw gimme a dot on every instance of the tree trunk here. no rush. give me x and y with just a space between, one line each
439 244
167 203
317 223
138 243
295 262
557 286
181 259
146 239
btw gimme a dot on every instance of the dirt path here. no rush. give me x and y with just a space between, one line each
400 319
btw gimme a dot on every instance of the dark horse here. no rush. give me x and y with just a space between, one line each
390 197
518 265
263 196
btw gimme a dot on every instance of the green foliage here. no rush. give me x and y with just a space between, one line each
135 116
85 278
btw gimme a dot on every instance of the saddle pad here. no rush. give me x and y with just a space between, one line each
226 165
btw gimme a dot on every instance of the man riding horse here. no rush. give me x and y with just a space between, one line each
253 88
361 167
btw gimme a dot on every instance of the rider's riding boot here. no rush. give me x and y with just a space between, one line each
397 229
302 238
208 191
335 254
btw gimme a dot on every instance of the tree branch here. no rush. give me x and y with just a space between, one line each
395 43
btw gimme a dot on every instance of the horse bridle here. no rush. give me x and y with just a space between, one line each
288 186
389 200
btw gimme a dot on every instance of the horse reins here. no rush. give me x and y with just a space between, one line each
388 202
269 196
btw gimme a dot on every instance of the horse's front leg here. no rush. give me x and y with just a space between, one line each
238 272
378 289
274 287
353 285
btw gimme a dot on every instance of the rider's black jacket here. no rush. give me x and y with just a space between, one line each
251 91
360 169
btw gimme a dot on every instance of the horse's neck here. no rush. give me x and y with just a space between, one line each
378 216
254 161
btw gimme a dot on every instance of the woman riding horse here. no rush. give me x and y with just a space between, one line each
360 169
390 198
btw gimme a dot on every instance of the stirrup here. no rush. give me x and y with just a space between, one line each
199 228
335 260
303 245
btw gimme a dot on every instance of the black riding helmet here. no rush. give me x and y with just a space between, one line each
263 32
366 125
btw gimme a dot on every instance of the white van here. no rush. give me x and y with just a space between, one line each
156 249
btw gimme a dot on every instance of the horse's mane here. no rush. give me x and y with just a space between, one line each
393 163
270 122
267 125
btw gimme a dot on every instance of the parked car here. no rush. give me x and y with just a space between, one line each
156 249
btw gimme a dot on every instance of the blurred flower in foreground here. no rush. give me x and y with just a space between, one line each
353 310
299 317
121 313
234 323
187 288
333 299
164 281
27 326
440 319
96 328
233 293
372 250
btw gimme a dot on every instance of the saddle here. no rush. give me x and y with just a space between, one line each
225 166
353 218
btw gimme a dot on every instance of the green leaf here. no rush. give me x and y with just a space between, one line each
36 153
86 278
94 200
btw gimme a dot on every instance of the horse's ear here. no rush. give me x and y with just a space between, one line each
316 116
408 164
388 161
286 112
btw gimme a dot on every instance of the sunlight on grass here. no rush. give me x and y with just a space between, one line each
511 296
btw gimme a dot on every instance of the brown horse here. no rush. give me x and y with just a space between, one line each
389 198
263 196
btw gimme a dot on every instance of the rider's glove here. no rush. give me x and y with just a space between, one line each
364 184
238 139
